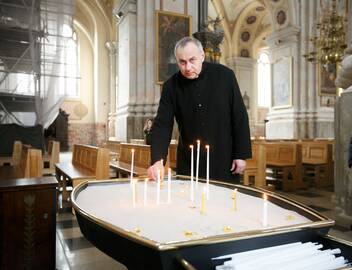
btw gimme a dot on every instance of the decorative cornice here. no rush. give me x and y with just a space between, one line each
284 36
125 7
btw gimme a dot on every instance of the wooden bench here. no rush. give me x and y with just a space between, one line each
256 166
16 155
318 165
285 160
141 160
30 165
52 157
114 147
88 162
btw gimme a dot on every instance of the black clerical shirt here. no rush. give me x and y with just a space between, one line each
210 109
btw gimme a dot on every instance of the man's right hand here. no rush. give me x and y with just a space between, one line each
153 171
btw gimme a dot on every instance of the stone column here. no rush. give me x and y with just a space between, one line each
285 122
244 69
111 46
126 13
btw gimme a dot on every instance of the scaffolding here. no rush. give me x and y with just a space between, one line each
35 37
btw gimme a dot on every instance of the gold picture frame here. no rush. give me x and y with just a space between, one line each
326 79
170 27
281 96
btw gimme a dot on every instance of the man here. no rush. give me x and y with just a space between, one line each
206 101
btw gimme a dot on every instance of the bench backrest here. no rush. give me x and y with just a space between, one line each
54 151
141 154
317 152
283 153
16 153
93 159
31 163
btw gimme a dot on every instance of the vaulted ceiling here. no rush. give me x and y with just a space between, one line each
246 23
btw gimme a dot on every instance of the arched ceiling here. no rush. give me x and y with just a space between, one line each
244 22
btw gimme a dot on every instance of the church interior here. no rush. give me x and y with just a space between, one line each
80 84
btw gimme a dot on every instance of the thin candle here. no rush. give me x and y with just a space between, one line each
202 207
192 162
168 185
145 190
132 164
134 195
234 197
158 189
197 162
207 148
265 210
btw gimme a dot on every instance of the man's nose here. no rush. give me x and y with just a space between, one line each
188 65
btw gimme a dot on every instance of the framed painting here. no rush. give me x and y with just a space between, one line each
282 83
170 27
326 79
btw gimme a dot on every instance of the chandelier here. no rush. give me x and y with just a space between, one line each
330 44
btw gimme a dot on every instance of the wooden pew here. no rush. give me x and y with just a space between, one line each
256 166
52 157
141 160
318 165
114 147
285 159
88 162
16 155
30 165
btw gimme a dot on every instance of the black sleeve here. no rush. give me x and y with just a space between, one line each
240 125
350 154
162 126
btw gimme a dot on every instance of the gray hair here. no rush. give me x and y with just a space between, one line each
184 41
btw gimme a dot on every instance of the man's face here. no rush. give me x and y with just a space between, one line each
190 60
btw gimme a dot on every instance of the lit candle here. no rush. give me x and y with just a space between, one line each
207 147
158 189
197 165
132 162
202 207
134 195
168 185
192 162
145 190
234 197
265 211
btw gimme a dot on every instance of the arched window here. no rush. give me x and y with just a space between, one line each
264 85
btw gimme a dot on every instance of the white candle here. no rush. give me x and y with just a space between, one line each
192 162
197 165
169 185
202 206
234 197
158 189
134 184
265 211
207 147
145 190
132 162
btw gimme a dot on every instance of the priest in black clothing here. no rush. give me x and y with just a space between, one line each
206 102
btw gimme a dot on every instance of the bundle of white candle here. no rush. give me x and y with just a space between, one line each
293 256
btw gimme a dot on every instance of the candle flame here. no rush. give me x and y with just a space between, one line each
198 141
207 146
265 197
132 150
191 146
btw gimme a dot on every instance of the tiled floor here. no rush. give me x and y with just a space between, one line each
73 251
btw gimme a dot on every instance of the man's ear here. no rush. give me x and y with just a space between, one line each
203 57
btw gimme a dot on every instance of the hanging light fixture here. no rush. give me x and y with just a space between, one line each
330 44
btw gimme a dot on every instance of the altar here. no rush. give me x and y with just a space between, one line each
175 226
